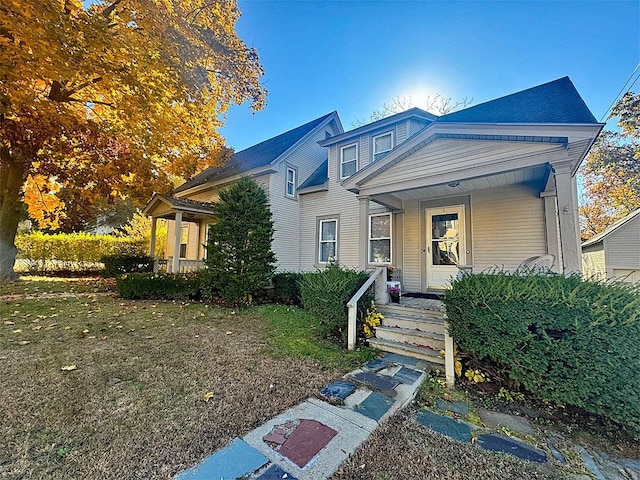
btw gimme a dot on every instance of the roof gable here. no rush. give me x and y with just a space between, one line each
256 156
611 228
557 101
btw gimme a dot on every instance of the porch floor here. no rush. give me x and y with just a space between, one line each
422 303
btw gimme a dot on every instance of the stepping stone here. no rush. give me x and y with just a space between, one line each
444 425
408 375
377 382
339 389
500 443
306 441
233 461
456 407
377 363
496 420
397 358
374 406
274 472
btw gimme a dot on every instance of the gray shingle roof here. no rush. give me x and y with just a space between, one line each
318 177
554 102
259 155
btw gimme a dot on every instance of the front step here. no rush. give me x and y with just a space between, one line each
413 351
411 336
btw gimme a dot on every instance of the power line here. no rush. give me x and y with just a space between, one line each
622 90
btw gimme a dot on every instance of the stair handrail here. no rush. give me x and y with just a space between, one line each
379 276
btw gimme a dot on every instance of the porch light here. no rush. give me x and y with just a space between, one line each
453 184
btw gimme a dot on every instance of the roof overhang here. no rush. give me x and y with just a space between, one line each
226 181
162 206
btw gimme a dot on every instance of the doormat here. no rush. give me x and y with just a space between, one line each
430 296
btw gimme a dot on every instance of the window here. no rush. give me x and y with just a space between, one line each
380 238
328 241
382 144
184 239
290 188
348 160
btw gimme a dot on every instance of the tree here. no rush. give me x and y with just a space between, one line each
111 100
239 256
438 103
612 170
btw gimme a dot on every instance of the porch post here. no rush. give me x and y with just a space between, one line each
175 268
551 223
152 240
567 195
363 260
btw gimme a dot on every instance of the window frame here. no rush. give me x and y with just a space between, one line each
373 144
390 238
342 162
184 228
292 183
335 241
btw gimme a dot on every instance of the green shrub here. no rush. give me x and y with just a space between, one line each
146 286
566 340
44 253
115 265
286 286
326 293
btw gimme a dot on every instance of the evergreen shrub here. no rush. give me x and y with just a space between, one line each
326 293
148 286
286 286
564 339
115 265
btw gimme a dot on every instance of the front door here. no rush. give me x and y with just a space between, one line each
445 244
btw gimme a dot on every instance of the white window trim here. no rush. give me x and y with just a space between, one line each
287 183
373 144
342 149
320 241
186 244
390 238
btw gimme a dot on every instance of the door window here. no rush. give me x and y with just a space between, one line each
445 239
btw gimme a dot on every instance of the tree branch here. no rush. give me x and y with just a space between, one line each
110 9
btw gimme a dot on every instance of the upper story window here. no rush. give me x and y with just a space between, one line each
348 160
382 144
290 188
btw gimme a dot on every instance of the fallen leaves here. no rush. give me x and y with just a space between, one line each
69 368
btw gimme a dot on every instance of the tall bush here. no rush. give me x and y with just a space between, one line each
239 257
326 293
567 340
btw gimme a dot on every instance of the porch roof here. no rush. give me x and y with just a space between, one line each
166 206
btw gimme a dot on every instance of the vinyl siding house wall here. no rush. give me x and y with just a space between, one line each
486 186
614 254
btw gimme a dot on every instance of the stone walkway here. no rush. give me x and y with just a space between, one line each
311 440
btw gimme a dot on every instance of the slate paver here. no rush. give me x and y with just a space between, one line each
444 425
500 443
377 363
590 463
456 407
274 472
407 375
339 389
496 420
306 441
402 359
374 406
234 461
376 382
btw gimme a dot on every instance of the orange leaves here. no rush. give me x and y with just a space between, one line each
40 195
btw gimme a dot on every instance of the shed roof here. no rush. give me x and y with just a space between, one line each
611 228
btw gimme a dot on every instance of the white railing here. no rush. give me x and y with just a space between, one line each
185 266
379 276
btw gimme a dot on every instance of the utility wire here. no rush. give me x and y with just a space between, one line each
620 93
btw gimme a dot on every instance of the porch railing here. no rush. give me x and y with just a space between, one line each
379 276
185 266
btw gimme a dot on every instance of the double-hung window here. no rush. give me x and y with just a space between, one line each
380 238
184 240
348 160
328 240
382 144
290 188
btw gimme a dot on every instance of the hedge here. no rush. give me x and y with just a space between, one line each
149 286
115 265
565 339
72 251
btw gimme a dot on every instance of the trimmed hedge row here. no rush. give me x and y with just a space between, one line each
145 286
72 251
566 340
115 265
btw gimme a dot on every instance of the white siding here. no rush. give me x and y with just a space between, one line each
508 226
593 262
622 246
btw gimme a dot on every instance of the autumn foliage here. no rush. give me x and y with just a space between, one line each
112 100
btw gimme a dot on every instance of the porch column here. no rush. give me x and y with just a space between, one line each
175 268
363 259
152 240
567 197
551 223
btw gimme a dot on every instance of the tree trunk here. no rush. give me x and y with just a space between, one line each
11 180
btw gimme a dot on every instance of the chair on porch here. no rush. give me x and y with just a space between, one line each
537 264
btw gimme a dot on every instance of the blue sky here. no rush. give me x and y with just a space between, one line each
353 56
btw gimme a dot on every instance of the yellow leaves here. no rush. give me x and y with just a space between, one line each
475 376
69 368
44 206
208 396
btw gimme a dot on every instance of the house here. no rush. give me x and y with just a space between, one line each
614 253
489 185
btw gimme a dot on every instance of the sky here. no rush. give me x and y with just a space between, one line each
353 56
